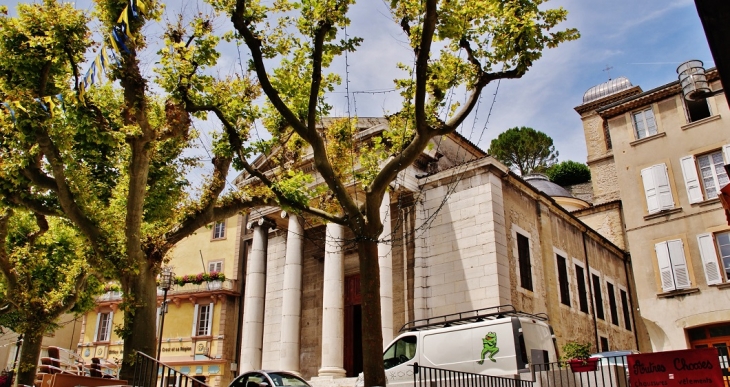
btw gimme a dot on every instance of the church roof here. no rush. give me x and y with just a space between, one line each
607 88
542 183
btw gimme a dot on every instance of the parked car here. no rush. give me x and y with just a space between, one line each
616 358
268 379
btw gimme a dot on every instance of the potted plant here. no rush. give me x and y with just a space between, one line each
577 356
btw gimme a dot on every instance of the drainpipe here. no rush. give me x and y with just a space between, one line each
627 265
590 291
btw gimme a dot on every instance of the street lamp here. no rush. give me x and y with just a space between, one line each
166 279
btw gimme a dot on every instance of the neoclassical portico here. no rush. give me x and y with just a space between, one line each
332 298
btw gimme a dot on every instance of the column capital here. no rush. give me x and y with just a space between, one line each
264 222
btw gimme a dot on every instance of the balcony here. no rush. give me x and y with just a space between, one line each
228 286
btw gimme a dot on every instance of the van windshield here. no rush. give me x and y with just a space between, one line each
400 352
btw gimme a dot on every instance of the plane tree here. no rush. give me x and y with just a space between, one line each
456 44
45 271
108 158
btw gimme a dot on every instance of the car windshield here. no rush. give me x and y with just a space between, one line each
286 380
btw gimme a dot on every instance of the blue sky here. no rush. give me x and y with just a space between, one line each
643 40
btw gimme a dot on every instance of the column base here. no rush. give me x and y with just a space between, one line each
331 372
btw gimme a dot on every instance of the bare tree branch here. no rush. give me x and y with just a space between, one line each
424 51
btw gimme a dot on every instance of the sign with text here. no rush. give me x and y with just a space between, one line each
685 368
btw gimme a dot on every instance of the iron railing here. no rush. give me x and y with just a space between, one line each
436 377
149 372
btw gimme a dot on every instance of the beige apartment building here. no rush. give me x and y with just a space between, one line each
662 156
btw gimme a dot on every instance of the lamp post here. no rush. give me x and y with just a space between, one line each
166 278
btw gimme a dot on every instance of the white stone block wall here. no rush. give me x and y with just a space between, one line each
274 296
466 254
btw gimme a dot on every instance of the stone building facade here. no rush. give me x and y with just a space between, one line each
663 156
462 232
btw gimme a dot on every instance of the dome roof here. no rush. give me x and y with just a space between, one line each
607 88
546 186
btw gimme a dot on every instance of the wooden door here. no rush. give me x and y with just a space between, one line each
353 326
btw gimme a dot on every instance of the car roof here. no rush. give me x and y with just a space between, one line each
615 353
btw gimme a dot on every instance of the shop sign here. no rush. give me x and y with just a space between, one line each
685 368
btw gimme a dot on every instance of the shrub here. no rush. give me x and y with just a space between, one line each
568 173
575 350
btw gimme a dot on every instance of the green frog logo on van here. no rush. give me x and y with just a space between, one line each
490 347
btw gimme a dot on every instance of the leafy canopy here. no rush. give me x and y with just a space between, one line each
524 149
568 173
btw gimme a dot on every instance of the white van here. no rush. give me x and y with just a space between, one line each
495 341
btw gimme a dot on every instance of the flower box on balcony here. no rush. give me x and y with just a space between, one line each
583 365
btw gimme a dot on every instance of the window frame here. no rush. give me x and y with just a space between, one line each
219 234
197 317
213 264
612 303
672 265
634 122
103 325
597 295
658 195
692 173
688 109
583 305
524 263
563 278
712 258
625 308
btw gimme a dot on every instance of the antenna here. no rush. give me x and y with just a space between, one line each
608 70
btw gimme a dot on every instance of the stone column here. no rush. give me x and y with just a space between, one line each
385 263
333 304
253 304
291 309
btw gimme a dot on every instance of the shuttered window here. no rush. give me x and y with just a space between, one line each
563 280
582 289
626 309
644 123
656 188
523 253
612 306
672 265
598 296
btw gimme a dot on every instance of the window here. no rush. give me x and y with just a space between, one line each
612 303
656 188
712 175
697 110
604 344
597 296
203 319
219 230
710 256
216 266
626 309
582 292
563 280
644 123
523 251
672 265
400 352
103 326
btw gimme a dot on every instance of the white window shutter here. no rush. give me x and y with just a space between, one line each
195 320
210 319
691 181
96 330
664 192
726 152
679 264
665 266
652 201
110 327
709 258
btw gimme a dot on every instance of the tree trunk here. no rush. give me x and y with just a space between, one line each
30 351
140 291
372 334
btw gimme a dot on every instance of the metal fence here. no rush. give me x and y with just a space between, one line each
605 372
149 372
435 377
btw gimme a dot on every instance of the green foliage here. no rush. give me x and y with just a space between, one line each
568 172
199 278
525 149
575 350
